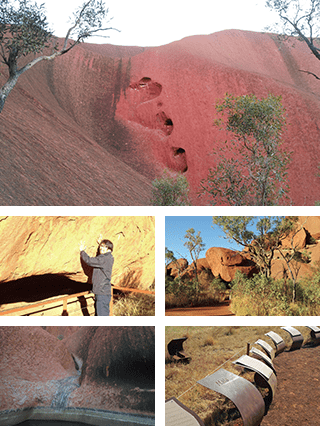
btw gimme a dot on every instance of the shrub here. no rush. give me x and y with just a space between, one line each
260 295
169 190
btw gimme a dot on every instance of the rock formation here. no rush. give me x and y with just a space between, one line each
224 263
41 257
97 125
37 369
176 267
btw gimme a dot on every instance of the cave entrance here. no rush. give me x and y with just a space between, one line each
164 123
180 163
47 294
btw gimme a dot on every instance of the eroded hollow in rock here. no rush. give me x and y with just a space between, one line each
39 288
164 123
148 89
180 159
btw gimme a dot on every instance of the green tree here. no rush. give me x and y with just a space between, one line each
24 31
262 242
251 170
293 256
300 20
195 246
169 190
170 257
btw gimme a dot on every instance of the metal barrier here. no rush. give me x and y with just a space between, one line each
269 349
241 392
266 373
278 341
261 355
297 338
178 414
315 333
63 301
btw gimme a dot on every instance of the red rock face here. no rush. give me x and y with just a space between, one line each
175 268
225 262
97 125
31 353
36 367
110 353
197 71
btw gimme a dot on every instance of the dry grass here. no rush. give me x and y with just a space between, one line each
135 305
205 298
211 348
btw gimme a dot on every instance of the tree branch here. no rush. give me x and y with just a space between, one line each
311 73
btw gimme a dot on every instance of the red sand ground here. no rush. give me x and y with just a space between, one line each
95 126
296 401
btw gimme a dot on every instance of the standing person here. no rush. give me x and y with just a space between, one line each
101 278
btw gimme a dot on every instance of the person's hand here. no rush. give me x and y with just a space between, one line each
100 238
82 245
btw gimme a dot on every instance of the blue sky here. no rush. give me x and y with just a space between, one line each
212 235
157 23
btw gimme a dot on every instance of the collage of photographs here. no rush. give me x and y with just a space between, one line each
159 166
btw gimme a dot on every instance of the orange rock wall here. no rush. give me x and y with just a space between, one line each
50 245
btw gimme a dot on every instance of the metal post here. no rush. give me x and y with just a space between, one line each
65 306
111 303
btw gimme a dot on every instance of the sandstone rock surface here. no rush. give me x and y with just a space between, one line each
36 367
40 256
97 125
176 267
31 353
225 262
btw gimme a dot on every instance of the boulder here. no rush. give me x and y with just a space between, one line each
175 268
224 262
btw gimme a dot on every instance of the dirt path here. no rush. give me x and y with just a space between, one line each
219 310
296 400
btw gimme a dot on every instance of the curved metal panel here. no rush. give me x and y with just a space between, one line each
256 352
278 341
297 338
315 332
241 392
178 414
262 369
269 349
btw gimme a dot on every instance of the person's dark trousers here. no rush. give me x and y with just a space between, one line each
103 305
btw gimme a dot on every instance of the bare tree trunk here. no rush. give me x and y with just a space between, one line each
6 89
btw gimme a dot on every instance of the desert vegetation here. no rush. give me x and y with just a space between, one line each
206 291
134 305
257 175
211 348
276 273
259 295
170 189
262 295
24 30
